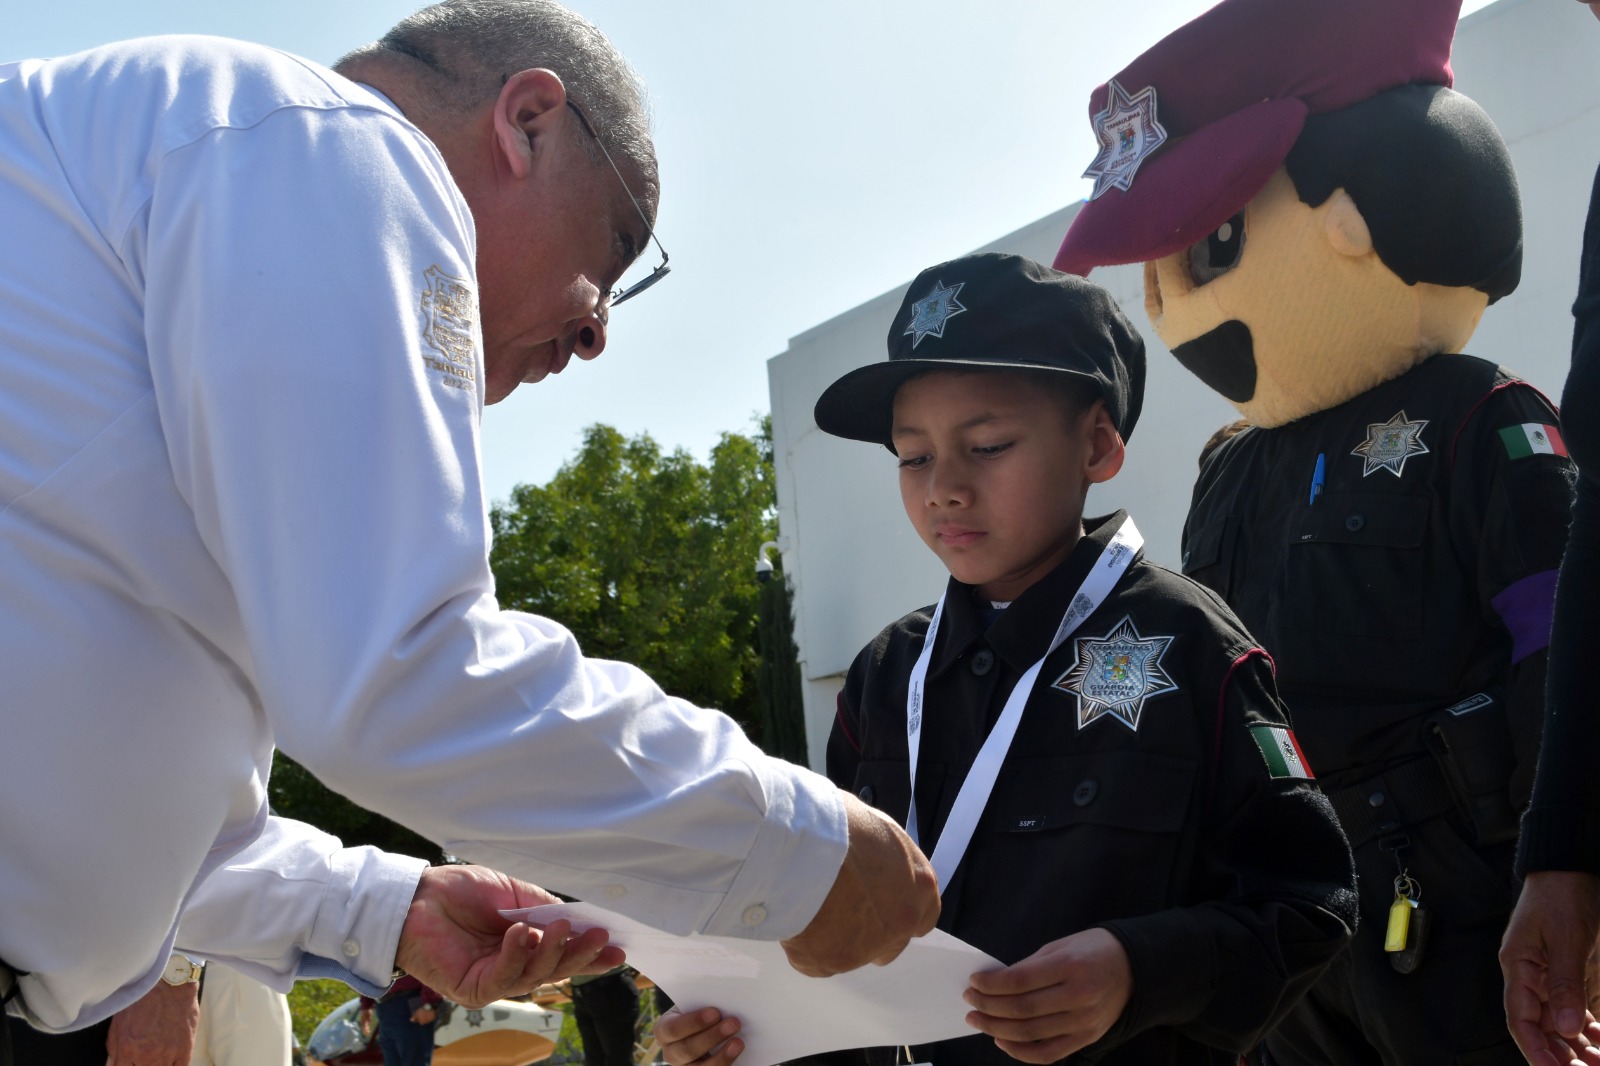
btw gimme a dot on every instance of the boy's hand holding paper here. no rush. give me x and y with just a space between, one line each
1055 1002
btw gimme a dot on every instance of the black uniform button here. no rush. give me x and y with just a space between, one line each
1354 523
982 661
1085 793
1377 799
865 794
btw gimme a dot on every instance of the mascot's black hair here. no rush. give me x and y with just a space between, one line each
1431 176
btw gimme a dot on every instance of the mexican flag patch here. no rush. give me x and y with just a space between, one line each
1532 438
1282 752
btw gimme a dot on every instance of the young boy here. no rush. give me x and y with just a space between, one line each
1152 856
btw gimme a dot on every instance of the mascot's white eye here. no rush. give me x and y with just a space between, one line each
1219 253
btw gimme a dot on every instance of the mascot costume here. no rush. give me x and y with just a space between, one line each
1322 222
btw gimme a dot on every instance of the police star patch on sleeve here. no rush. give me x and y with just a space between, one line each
1115 674
1282 752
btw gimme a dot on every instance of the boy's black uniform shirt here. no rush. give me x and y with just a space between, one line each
1158 817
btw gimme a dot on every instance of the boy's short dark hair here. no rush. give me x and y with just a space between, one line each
1076 395
1024 317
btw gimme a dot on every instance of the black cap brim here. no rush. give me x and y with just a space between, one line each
860 405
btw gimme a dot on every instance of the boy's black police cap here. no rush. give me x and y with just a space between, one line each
996 312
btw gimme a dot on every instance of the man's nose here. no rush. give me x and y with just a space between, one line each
590 337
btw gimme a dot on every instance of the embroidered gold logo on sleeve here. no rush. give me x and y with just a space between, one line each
449 318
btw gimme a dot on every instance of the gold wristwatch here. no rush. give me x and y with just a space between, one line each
182 970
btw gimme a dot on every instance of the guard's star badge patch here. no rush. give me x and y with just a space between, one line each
929 314
1116 673
1128 132
1389 444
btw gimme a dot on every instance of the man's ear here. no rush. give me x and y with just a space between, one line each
531 106
1106 448
1347 231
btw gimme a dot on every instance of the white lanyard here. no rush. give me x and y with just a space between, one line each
974 794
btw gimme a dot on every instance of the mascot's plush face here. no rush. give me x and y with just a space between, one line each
1287 310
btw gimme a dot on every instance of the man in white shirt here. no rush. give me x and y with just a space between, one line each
249 313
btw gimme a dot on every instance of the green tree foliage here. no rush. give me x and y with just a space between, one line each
312 1001
784 725
295 793
649 557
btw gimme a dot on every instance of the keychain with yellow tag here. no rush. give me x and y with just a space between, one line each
1407 932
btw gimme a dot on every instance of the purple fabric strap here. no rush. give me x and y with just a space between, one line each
1525 607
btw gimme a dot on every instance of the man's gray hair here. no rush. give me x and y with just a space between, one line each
468 47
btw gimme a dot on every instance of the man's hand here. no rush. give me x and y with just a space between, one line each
455 941
885 894
157 1030
1543 956
1055 1002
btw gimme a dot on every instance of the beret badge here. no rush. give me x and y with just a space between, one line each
1128 132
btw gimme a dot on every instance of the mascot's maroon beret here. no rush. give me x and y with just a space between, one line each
1192 129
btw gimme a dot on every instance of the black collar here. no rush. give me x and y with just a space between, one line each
1022 633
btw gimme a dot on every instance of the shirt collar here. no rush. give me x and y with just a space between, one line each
1022 633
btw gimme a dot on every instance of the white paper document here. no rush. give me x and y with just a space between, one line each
913 1000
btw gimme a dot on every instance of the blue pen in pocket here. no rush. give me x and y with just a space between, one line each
1317 476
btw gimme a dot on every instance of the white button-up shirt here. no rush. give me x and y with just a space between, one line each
241 505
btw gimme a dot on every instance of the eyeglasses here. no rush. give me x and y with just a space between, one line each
622 295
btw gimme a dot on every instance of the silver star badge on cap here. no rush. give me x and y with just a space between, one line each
929 314
1128 132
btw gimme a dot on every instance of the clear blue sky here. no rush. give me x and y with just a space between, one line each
812 156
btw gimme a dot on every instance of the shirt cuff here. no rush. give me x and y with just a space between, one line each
315 968
791 867
1173 964
364 906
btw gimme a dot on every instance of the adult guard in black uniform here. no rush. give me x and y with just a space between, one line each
1545 953
1391 526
